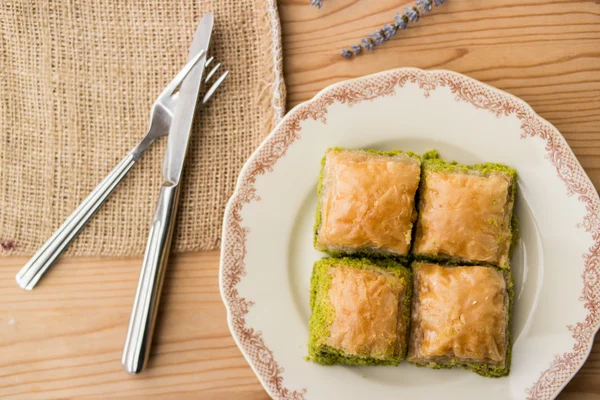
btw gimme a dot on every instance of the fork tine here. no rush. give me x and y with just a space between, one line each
209 61
212 72
182 74
209 93
214 87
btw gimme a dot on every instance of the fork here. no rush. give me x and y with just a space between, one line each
161 115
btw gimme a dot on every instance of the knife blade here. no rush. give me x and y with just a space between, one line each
180 130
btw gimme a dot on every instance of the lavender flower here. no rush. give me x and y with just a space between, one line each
389 31
354 51
319 3
378 37
367 43
425 6
411 14
401 21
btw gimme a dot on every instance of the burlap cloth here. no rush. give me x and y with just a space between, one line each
77 79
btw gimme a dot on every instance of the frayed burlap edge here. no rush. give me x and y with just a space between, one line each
273 65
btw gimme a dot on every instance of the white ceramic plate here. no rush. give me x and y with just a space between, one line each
267 252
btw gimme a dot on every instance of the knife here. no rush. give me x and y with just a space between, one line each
145 307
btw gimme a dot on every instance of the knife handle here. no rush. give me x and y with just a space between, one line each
143 316
47 255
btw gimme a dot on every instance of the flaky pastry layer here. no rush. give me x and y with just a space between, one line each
367 202
465 216
360 311
460 314
365 304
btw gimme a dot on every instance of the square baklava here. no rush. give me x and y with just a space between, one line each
367 202
466 213
461 318
360 312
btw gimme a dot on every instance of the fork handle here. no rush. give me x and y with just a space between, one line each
143 316
47 255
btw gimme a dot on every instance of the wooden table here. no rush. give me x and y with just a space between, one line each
65 338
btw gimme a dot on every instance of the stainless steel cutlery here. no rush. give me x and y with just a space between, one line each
171 115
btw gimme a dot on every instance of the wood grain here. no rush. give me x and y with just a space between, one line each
64 339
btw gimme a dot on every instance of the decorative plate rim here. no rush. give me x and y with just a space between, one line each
469 90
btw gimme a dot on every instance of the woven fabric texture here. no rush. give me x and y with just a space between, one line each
78 78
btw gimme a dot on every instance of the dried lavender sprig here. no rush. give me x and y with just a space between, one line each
411 14
316 3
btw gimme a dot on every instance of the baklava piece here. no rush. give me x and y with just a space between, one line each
466 213
461 318
367 202
360 312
